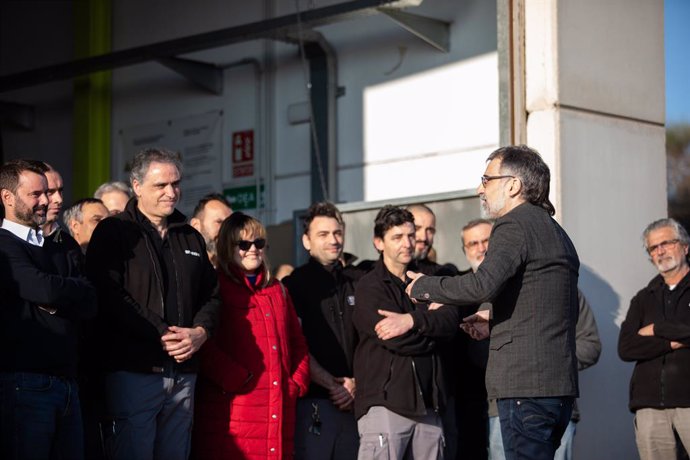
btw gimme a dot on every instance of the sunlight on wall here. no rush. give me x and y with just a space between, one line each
431 132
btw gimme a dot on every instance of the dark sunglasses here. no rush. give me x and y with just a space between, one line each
245 245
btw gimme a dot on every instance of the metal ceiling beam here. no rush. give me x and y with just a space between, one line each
433 31
204 75
275 28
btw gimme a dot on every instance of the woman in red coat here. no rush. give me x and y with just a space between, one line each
256 364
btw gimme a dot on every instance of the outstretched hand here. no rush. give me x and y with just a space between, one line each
414 276
477 325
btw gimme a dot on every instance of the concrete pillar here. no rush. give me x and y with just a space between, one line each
594 103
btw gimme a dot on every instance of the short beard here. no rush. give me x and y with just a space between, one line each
27 216
421 255
474 265
490 211
210 246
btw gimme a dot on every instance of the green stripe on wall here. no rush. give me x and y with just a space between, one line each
92 99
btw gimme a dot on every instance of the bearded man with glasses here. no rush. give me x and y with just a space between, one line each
530 277
656 335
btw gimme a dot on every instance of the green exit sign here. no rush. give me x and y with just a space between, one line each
242 198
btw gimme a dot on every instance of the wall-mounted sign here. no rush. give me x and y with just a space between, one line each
242 198
243 153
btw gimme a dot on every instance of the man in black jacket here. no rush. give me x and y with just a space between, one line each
400 384
158 297
323 293
44 297
656 334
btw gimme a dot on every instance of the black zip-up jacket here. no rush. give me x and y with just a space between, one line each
123 264
324 299
385 370
661 376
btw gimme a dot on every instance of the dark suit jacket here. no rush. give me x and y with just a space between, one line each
530 275
31 339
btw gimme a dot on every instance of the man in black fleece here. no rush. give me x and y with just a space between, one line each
656 334
158 298
400 386
323 293
44 296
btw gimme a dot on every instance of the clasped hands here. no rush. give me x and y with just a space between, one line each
182 342
342 392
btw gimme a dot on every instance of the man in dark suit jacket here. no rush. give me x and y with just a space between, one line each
44 297
530 276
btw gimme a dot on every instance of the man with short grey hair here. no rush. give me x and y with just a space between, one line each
656 335
159 302
114 196
81 219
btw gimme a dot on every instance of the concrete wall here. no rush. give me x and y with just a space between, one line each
595 100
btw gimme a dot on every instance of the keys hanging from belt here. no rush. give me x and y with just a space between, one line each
315 427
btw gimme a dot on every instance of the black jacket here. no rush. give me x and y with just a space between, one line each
31 339
324 300
123 265
385 369
661 375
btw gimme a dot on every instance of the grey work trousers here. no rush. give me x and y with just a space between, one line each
385 435
654 432
336 437
152 415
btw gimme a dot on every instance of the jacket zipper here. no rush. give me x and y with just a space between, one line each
177 282
155 272
416 381
663 373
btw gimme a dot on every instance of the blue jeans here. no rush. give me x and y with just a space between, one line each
496 452
532 428
152 415
40 417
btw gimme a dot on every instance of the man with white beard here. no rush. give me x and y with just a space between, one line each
656 334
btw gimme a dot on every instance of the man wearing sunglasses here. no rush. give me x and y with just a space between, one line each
656 335
530 277
158 303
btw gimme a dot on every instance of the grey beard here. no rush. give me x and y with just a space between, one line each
210 246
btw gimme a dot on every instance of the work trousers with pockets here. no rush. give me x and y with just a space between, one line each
385 435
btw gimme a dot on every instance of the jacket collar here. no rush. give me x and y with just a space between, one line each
385 275
240 275
332 269
657 283
132 213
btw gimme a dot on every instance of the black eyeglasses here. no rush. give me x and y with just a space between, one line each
665 245
474 243
486 179
245 245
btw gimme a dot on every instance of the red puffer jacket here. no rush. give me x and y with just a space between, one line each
252 371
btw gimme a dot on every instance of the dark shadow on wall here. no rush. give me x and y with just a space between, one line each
606 429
